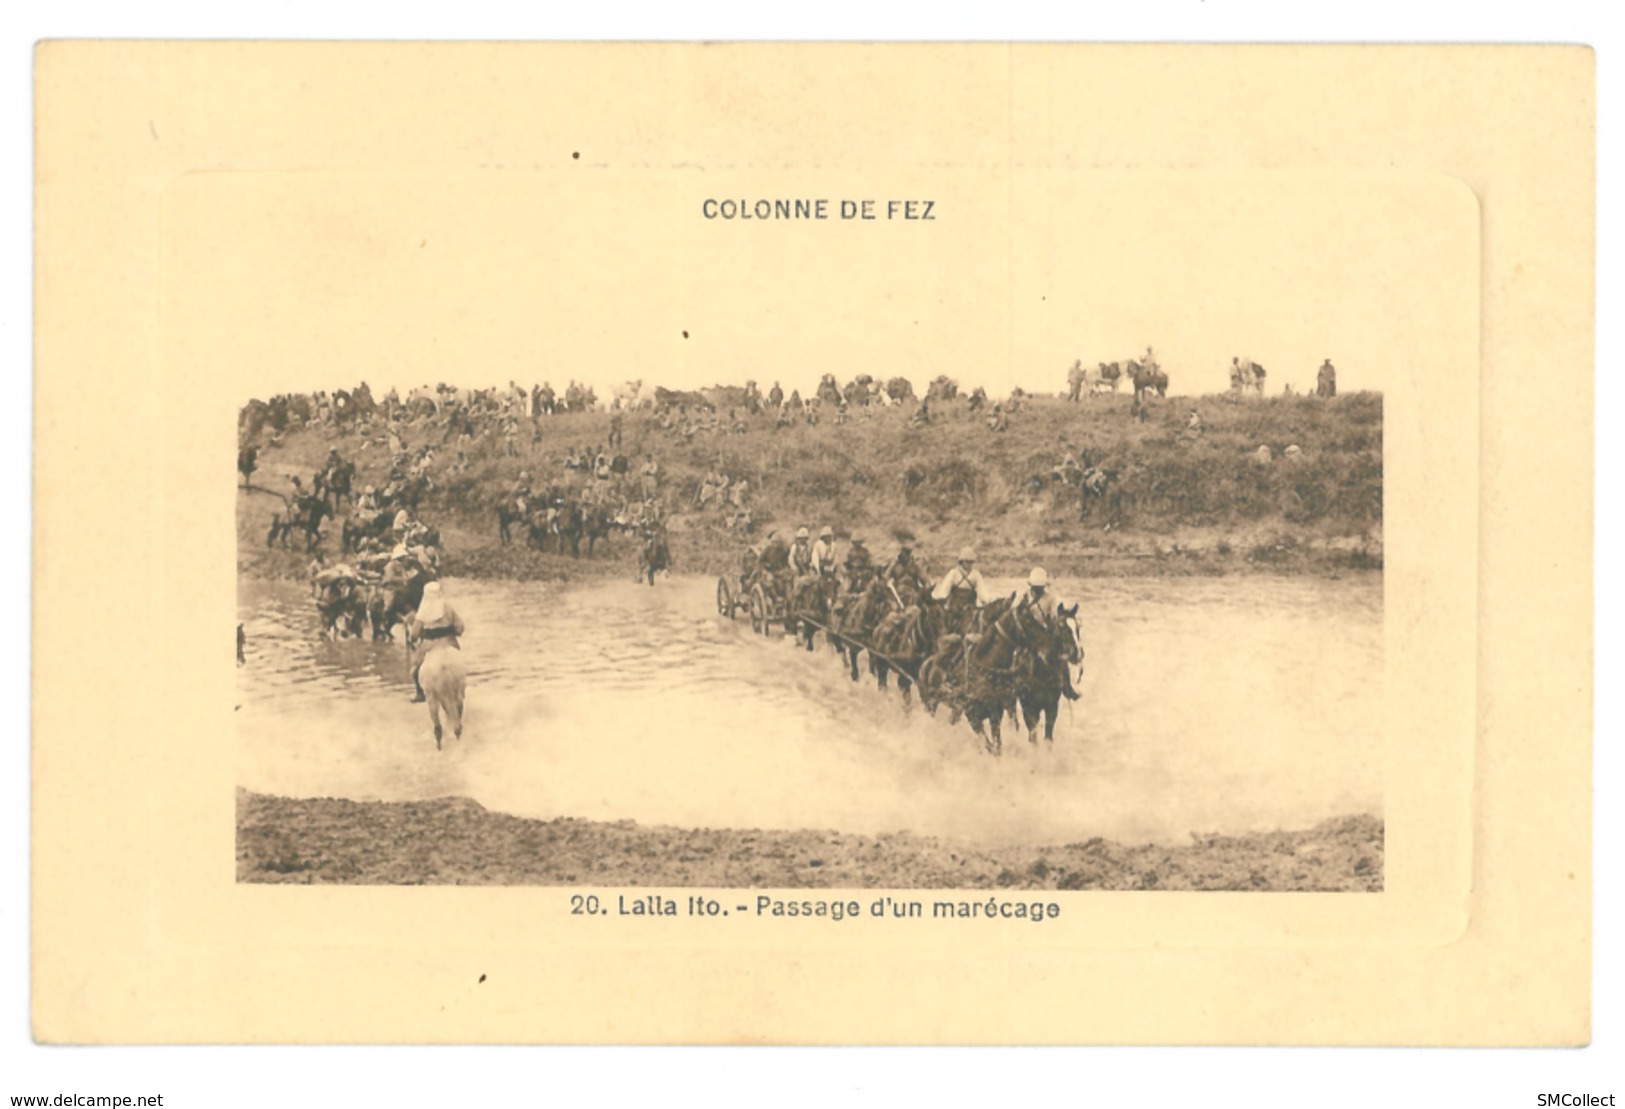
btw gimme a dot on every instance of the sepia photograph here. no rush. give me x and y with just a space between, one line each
720 538
582 577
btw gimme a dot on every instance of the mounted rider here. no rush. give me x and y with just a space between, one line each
859 566
963 589
823 551
775 563
801 555
750 567
436 625
904 575
1041 602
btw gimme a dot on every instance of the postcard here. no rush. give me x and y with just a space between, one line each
812 544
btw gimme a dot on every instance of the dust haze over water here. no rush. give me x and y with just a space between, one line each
1207 706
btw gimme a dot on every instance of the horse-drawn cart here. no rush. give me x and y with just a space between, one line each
729 597
769 606
757 596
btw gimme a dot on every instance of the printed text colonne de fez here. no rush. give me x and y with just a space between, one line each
819 208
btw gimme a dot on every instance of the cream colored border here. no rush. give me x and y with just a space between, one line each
128 896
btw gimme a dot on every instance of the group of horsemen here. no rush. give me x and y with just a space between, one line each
388 550
806 565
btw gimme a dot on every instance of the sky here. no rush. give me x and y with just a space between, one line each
304 281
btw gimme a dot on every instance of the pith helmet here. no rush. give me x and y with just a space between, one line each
1038 577
827 532
801 533
967 555
857 540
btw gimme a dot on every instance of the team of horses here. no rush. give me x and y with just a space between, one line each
369 607
1106 377
553 518
1005 659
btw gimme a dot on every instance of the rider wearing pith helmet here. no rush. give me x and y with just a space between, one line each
1039 600
823 551
963 590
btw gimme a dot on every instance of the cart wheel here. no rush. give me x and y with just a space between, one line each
758 611
725 599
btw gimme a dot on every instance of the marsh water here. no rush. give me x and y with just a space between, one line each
1209 705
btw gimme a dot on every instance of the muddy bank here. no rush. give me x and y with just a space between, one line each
455 841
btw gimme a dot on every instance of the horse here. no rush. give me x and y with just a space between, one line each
576 521
1104 378
444 679
653 557
304 514
411 491
940 673
905 640
1147 378
247 460
671 398
900 389
394 601
343 613
1041 696
858 619
625 395
810 607
993 671
358 527
336 483
508 514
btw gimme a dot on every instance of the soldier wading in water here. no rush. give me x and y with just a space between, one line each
437 625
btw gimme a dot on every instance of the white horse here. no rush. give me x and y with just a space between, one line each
444 680
626 394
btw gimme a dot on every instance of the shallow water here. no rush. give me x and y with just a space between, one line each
1208 705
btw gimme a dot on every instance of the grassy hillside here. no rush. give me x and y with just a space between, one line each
1199 504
